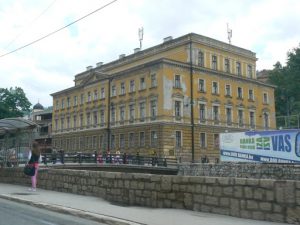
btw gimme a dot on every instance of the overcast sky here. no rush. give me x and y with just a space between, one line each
268 28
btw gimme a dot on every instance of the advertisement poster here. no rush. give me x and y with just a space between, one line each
278 146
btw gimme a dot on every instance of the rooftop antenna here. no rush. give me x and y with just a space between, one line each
141 34
229 33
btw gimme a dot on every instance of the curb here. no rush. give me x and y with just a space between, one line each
74 212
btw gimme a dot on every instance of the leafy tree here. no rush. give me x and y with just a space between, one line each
287 81
13 102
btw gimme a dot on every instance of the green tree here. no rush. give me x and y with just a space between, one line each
287 81
13 102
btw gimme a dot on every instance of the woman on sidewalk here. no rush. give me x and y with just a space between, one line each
34 160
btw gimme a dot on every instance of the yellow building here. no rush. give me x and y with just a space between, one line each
174 98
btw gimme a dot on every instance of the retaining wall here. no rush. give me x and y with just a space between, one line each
245 170
262 199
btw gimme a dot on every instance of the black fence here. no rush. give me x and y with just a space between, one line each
85 157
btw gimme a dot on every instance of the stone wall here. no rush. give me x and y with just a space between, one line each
243 170
262 199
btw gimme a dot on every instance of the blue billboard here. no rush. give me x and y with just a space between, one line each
277 146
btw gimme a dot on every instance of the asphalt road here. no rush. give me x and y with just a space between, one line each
12 213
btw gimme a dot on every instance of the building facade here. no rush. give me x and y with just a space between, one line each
174 98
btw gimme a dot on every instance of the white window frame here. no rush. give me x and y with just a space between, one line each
230 91
240 121
142 83
132 86
240 92
201 58
153 80
229 123
178 139
142 114
265 98
204 118
251 97
254 119
227 65
203 145
213 88
200 86
214 62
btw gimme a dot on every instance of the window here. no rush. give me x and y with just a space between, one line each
102 93
202 85
94 142
153 80
68 102
68 122
265 98
88 119
74 121
112 141
227 90
142 83
252 119
113 114
214 62
122 141
122 113
62 103
178 142
132 86
95 94
153 138
203 140
89 97
240 93
215 112
178 109
228 116
57 105
95 118
215 87
240 118
142 139
177 81
81 121
142 111
101 142
81 99
62 124
200 58
251 95
249 71
75 101
238 69
131 112
202 112
122 91
216 140
102 117
131 139
266 120
153 109
227 65
113 90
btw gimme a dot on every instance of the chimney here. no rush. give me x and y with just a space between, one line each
169 38
98 64
89 68
122 56
136 50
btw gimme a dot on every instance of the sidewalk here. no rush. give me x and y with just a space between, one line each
103 211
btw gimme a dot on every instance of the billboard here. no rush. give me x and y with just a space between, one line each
277 146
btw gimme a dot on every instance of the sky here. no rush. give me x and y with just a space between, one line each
270 28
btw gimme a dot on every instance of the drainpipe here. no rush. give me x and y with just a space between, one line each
108 116
192 101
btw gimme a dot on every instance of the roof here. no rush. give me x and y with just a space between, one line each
13 124
38 106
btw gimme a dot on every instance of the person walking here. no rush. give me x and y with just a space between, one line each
34 160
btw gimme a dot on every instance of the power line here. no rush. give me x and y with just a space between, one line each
39 39
35 19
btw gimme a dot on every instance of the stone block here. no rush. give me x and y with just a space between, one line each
240 181
224 202
228 191
274 217
210 180
277 208
265 206
223 181
210 190
198 188
285 192
246 214
167 203
252 182
188 201
298 184
150 186
217 191
205 208
293 215
211 200
133 184
266 183
156 178
238 192
258 215
248 192
258 194
218 210
198 198
252 205
196 180
270 195
298 197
